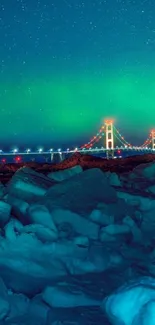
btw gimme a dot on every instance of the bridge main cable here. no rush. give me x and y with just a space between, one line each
95 139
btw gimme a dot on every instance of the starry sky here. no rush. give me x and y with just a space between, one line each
65 65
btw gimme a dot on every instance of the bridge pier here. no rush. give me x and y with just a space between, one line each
153 139
110 154
60 156
109 133
52 156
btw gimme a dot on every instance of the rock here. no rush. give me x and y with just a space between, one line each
80 225
57 297
28 185
65 174
80 193
5 210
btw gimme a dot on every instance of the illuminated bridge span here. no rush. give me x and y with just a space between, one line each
112 139
107 140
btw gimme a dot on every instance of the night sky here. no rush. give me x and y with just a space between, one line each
68 64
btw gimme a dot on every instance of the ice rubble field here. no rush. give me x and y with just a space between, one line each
77 247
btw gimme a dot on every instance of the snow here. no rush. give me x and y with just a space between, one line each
77 247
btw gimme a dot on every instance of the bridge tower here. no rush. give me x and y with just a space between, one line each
109 133
153 139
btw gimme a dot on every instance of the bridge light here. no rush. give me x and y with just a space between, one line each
51 150
28 150
15 150
40 150
59 150
18 159
109 121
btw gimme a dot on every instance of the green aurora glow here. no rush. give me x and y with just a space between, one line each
76 106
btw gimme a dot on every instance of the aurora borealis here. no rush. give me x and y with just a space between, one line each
67 65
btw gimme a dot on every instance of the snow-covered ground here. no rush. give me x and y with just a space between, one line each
77 247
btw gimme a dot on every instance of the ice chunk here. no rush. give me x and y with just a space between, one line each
114 180
57 297
127 305
37 309
4 303
101 218
19 208
81 225
18 306
28 185
136 232
81 193
5 210
43 233
27 265
12 228
65 174
39 214
147 314
116 229
81 241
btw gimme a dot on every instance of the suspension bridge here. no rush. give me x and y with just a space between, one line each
113 140
107 140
